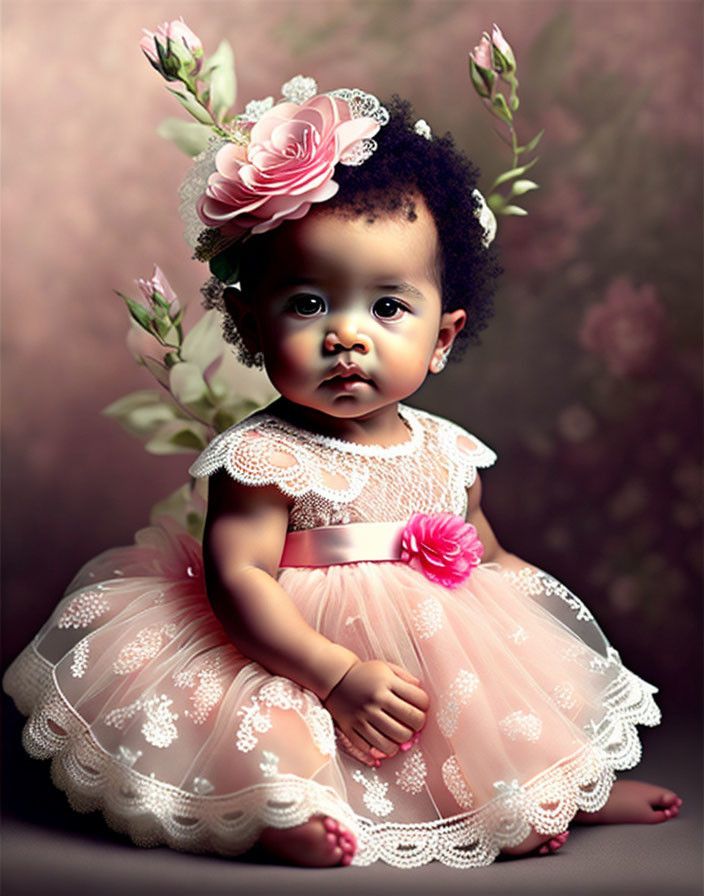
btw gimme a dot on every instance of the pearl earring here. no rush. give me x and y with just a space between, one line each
438 363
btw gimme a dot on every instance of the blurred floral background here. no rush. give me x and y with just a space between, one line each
588 382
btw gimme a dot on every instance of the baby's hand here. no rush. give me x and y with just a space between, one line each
378 706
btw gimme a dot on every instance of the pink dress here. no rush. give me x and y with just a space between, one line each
152 716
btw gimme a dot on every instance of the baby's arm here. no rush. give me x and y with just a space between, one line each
377 705
493 552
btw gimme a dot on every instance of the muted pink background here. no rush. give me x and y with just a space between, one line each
598 477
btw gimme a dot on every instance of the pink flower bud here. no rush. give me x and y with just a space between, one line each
503 47
482 53
174 50
159 284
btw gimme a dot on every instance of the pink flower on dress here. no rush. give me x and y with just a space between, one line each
627 330
288 164
442 546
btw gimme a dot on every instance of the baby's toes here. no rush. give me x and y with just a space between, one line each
553 844
341 839
668 800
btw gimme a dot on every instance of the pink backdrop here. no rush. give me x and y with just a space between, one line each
599 444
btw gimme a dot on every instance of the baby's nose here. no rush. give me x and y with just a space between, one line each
346 335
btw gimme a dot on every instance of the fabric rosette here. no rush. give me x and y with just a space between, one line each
287 165
442 546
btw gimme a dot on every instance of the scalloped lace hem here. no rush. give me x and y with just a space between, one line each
153 813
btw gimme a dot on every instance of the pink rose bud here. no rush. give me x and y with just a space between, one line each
480 68
504 59
174 50
159 285
482 53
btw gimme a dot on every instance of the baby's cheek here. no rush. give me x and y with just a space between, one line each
294 354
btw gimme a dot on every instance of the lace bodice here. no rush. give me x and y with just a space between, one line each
333 482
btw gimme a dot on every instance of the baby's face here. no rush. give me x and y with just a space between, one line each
348 312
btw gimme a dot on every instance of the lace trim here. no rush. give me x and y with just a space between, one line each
153 813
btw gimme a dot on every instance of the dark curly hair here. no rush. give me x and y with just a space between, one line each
404 166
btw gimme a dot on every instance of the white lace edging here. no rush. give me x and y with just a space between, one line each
152 812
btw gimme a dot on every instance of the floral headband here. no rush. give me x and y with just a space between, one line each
269 164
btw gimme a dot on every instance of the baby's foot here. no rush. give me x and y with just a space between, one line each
318 843
537 844
635 802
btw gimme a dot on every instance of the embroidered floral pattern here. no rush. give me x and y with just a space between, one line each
459 694
428 618
285 694
455 782
205 678
519 636
129 757
270 765
83 610
522 726
412 774
202 786
375 798
564 695
143 647
80 659
533 582
159 729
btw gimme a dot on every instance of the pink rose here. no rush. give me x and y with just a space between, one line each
442 546
628 329
288 164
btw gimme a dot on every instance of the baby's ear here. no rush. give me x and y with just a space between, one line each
240 312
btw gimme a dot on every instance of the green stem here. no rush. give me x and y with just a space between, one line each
191 88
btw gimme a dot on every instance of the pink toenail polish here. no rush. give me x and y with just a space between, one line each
331 838
330 824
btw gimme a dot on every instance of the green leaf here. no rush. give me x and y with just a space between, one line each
519 187
186 383
158 371
142 413
500 109
177 438
226 265
190 136
219 73
191 104
512 174
482 78
529 147
138 312
513 210
204 343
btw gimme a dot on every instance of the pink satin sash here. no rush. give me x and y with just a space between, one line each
349 543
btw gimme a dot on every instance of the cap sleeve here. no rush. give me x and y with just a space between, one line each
466 451
259 452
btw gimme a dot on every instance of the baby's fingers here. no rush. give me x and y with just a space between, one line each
404 673
411 693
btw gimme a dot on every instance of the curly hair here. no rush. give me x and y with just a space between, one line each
406 165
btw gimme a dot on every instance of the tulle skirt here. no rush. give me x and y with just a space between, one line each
152 716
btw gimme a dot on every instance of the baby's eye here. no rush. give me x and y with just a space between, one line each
388 308
306 304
